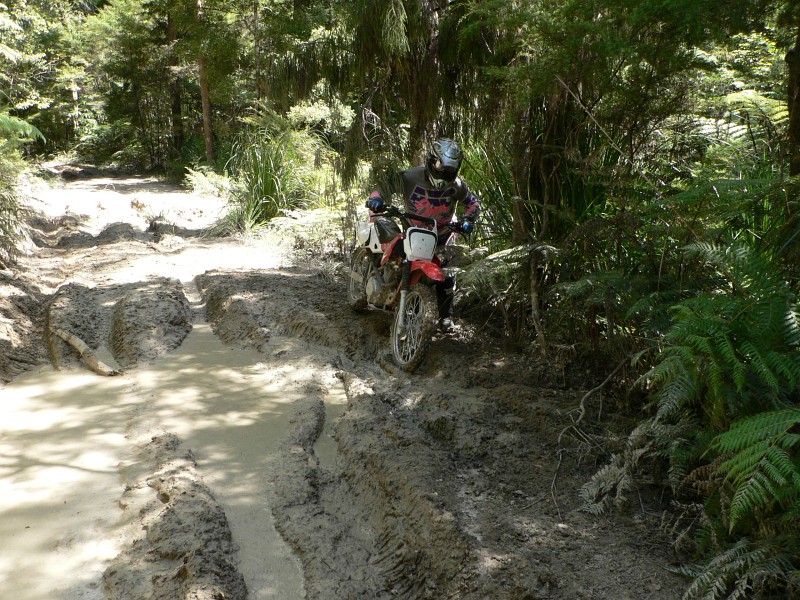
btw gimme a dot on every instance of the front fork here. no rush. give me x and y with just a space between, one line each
404 284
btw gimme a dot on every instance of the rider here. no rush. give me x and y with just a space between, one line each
435 190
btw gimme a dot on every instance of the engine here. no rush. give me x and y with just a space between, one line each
382 284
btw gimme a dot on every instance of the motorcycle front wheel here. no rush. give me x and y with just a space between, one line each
410 344
356 286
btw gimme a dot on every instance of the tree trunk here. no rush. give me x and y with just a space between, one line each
205 93
522 228
205 98
260 80
177 99
793 64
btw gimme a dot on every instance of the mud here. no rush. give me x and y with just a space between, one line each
453 482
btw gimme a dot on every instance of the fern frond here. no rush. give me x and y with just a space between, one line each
784 365
791 323
12 127
756 491
761 469
759 365
745 269
745 569
9 53
675 395
773 110
606 488
724 570
766 426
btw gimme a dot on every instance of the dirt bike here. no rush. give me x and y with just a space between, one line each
394 268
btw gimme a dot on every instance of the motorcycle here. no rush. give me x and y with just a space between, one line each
394 268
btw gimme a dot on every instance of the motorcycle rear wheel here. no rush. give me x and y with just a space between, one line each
360 265
410 346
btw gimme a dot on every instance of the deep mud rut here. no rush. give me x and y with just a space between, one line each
259 442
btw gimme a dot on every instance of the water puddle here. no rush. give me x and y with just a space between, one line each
64 435
228 407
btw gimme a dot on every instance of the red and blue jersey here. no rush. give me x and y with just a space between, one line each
422 199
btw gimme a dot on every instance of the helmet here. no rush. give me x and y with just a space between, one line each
444 160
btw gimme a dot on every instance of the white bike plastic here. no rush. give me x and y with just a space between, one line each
362 233
420 244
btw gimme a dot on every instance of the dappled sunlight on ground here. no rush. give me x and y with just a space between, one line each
58 494
229 408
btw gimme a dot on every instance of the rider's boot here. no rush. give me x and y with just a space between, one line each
444 297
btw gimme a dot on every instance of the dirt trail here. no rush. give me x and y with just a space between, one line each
288 419
70 437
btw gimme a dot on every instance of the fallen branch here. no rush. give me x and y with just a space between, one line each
582 413
582 407
94 363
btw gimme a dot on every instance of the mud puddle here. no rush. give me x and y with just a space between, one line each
229 408
60 495
61 438
83 458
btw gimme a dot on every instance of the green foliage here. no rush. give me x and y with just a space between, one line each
486 170
10 208
747 570
13 133
759 500
727 384
498 282
734 350
14 128
206 182
763 469
110 143
41 80
267 164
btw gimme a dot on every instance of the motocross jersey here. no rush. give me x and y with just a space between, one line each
422 199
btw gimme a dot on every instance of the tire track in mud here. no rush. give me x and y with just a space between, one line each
373 527
442 483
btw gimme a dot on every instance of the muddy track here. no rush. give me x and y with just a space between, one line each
447 483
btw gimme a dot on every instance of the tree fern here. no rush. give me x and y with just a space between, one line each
12 127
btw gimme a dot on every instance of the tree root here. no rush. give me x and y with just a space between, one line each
94 363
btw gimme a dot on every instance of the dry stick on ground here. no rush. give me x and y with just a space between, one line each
582 412
94 363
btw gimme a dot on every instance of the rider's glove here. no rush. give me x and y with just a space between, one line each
376 204
467 227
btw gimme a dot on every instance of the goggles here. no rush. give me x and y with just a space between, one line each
439 171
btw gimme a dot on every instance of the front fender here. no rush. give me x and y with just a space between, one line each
425 267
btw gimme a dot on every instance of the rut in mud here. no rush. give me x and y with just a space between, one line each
448 483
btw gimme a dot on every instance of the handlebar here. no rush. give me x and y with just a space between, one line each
393 211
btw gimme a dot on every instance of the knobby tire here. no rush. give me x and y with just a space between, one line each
421 312
356 291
